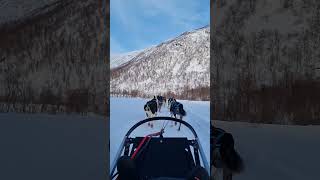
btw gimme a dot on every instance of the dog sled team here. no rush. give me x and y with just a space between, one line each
154 106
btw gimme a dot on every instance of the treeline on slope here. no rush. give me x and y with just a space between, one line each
199 94
267 76
297 103
25 100
53 58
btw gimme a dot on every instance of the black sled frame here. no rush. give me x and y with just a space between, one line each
163 156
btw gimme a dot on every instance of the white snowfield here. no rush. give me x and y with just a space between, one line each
125 112
276 152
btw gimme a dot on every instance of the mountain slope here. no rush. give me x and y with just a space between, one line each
174 66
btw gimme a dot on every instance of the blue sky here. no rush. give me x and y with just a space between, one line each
138 24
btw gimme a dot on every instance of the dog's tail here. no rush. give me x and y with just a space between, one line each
234 162
183 112
230 156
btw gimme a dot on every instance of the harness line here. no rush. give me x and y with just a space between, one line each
148 138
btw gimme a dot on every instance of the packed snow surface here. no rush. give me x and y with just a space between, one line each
125 112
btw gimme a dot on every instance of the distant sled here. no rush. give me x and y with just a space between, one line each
155 157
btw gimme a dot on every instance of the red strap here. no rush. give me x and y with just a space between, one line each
138 148
141 143
143 140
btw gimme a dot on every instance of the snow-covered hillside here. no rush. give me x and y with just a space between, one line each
276 152
125 112
120 59
174 65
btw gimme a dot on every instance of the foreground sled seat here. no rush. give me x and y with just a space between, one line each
164 157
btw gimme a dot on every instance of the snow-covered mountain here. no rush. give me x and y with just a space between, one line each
119 59
176 65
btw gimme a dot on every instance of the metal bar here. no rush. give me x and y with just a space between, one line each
162 118
196 155
203 157
126 150
117 156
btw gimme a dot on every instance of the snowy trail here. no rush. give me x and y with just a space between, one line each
125 112
276 151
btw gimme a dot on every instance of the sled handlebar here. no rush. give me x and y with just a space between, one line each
161 118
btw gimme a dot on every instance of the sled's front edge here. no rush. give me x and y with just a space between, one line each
114 164
204 159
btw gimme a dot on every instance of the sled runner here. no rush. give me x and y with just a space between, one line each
156 156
